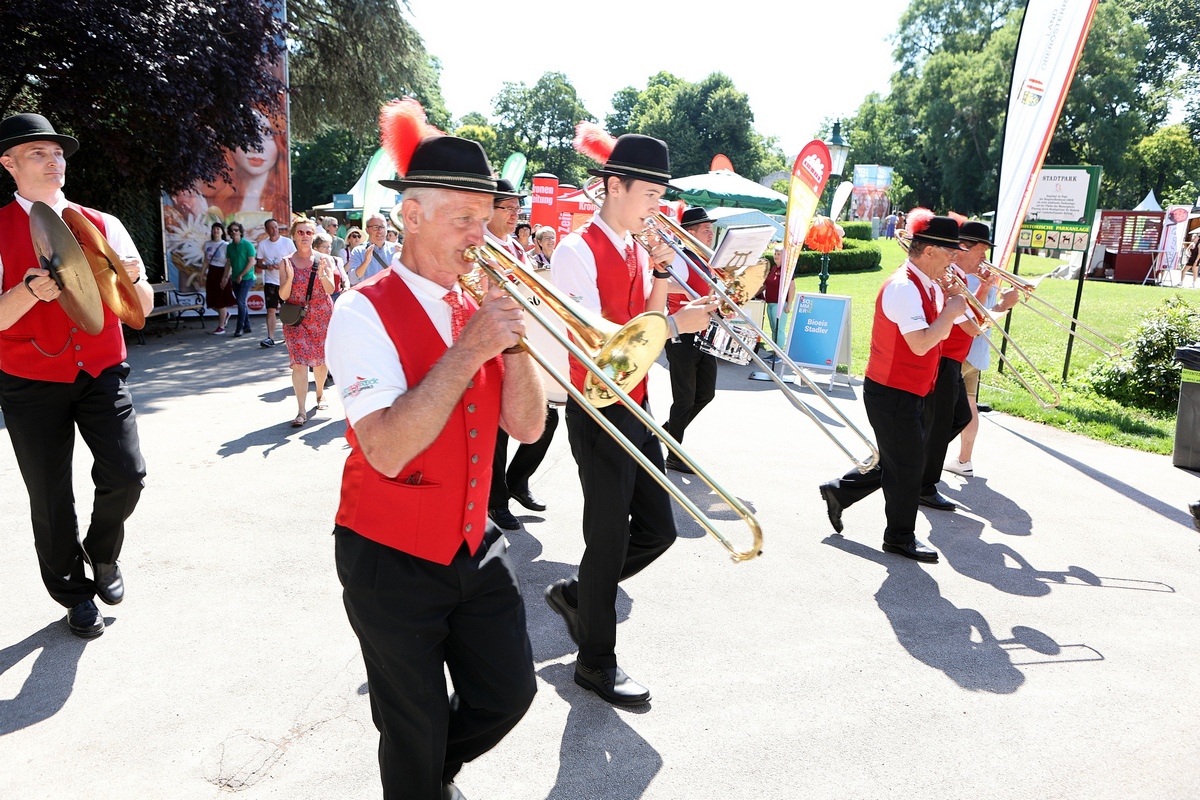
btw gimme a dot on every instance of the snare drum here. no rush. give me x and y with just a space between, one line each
716 341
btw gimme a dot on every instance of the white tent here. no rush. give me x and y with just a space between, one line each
1149 204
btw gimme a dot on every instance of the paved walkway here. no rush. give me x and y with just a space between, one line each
1052 653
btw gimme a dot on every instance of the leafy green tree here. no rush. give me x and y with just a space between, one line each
623 103
539 121
1170 160
329 164
487 137
473 118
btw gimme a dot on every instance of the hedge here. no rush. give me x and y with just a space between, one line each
857 230
856 256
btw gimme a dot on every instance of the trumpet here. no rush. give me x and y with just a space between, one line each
1065 321
639 345
984 320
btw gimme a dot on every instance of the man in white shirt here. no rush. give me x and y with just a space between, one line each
376 255
272 250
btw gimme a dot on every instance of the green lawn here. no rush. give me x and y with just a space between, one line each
1113 309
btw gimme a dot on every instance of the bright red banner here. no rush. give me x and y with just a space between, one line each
809 174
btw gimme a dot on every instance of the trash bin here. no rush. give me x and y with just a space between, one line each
1187 422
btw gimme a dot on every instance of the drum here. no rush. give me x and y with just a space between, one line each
716 341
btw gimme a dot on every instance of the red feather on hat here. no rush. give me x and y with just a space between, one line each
918 220
402 126
954 215
593 141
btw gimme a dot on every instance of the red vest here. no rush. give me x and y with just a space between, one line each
439 499
677 301
892 361
621 297
44 345
958 343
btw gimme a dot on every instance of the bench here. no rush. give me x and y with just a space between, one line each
170 303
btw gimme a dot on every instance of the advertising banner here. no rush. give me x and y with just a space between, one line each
1052 38
871 185
820 336
809 174
544 210
1061 209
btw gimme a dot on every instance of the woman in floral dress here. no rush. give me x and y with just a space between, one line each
306 341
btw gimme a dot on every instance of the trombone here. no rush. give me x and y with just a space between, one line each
1028 291
612 359
732 294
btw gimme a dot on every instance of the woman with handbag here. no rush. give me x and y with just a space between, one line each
305 286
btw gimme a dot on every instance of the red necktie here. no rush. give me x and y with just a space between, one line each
631 260
458 314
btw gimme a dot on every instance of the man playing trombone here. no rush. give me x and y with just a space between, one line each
912 319
627 517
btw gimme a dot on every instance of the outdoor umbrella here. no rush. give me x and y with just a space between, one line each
724 188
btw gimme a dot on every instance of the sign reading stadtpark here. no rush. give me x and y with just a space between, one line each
820 332
1062 208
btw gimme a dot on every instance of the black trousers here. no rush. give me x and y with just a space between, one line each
627 522
41 418
899 420
413 619
524 462
951 413
693 383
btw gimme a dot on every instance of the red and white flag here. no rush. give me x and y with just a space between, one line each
809 174
1052 38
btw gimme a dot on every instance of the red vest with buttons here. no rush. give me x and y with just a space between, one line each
44 344
694 280
958 343
892 361
439 499
621 297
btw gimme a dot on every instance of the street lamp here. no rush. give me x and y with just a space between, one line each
839 151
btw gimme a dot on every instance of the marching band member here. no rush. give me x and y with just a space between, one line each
427 378
627 518
514 481
912 319
693 372
55 377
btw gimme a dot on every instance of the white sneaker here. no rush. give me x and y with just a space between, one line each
966 469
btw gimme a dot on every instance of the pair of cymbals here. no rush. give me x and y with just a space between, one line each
85 267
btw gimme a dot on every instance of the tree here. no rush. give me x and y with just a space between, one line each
349 57
1170 161
329 164
539 121
488 139
154 92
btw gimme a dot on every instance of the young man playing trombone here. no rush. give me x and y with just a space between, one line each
627 518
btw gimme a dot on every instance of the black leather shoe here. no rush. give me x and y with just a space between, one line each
832 507
85 621
983 408
936 500
504 518
110 586
529 500
613 685
677 465
1195 509
914 550
556 598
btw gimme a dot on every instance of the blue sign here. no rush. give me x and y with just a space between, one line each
819 336
343 201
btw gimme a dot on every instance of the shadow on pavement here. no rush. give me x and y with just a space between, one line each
1003 514
51 678
316 434
600 756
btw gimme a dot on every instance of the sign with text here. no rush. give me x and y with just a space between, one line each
1062 208
820 333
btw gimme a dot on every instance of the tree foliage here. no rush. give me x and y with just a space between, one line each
329 164
349 57
154 92
697 121
539 121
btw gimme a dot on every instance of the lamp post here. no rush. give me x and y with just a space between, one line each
839 151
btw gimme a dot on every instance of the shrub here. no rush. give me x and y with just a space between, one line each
1146 375
857 230
856 256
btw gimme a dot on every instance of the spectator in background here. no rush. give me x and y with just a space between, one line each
241 256
306 341
543 240
393 236
322 244
770 290
372 256
337 245
889 230
354 237
524 236
218 286
271 251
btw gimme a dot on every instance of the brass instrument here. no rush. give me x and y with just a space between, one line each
1028 291
634 345
732 296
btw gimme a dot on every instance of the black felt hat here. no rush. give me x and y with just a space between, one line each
695 216
975 232
504 190
22 128
638 156
447 162
940 231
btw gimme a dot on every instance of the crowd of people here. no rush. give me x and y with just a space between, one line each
434 382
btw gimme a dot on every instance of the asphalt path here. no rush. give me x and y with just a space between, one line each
1052 653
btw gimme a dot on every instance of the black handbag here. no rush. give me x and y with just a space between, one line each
292 313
